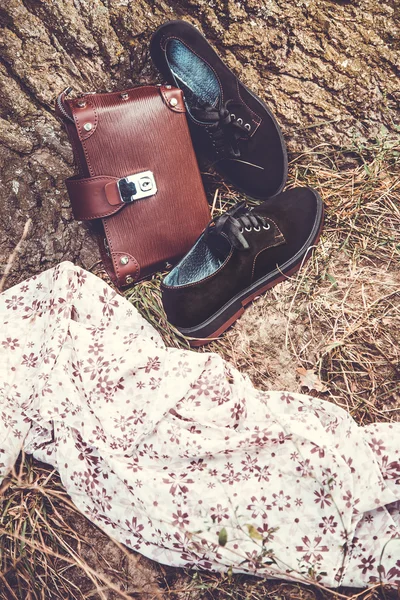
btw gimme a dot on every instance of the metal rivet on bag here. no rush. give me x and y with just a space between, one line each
124 260
128 279
81 103
87 126
173 102
168 87
124 96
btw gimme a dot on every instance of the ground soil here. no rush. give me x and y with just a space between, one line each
326 68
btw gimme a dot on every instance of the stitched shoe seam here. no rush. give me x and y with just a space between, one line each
273 245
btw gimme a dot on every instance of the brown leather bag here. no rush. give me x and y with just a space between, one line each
138 177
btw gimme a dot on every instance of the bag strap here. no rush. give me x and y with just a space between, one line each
94 197
63 111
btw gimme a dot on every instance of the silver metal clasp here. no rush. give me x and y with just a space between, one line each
137 186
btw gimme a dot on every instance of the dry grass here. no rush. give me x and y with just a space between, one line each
340 315
339 318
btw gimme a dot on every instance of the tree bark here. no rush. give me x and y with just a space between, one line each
326 68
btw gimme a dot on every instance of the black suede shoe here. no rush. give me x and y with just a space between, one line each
240 255
230 126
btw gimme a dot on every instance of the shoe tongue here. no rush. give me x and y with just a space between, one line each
228 231
200 108
203 104
218 244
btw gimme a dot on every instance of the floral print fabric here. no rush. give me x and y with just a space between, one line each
175 454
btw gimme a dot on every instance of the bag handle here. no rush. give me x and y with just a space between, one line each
63 111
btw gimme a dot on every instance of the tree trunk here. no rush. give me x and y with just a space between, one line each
327 69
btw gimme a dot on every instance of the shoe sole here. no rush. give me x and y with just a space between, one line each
220 321
262 103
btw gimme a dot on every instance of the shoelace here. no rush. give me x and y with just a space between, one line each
225 130
235 222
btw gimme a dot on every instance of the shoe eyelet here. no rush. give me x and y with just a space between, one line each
267 226
248 228
240 121
233 116
248 126
241 230
257 228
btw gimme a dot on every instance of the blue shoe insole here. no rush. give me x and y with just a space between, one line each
195 77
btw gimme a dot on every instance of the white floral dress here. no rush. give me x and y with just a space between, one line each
175 454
